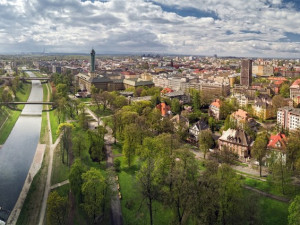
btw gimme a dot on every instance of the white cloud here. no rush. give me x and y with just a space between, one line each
253 27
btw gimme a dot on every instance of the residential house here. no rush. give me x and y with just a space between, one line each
277 146
214 109
237 141
241 117
195 130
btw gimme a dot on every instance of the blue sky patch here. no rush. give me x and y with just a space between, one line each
186 11
250 32
291 37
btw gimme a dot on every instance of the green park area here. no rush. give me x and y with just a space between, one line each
8 117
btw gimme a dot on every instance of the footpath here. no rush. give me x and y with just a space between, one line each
116 211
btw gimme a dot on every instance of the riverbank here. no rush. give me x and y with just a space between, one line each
9 116
35 167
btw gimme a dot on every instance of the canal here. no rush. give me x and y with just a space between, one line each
17 153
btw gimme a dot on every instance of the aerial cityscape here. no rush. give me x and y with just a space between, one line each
149 112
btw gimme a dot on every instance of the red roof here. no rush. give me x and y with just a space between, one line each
274 139
166 90
216 103
296 82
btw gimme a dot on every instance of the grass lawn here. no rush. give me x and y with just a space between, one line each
133 212
54 124
271 212
21 95
270 188
60 171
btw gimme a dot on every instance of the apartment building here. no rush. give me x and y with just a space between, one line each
288 118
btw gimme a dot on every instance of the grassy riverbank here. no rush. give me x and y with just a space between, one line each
9 117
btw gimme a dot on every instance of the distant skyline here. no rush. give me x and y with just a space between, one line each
252 28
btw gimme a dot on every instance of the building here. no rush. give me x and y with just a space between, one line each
195 130
262 107
237 141
295 92
240 118
180 95
246 72
214 109
288 118
277 147
263 70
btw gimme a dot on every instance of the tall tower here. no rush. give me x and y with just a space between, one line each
92 70
246 72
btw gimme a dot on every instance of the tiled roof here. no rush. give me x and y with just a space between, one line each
295 84
236 137
274 139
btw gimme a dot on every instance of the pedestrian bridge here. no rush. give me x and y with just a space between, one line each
29 103
25 78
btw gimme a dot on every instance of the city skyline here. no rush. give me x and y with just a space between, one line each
256 28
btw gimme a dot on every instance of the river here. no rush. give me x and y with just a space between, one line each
17 153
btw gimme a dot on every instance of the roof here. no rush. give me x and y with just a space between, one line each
236 137
174 94
216 103
296 84
166 90
240 114
100 79
201 125
178 118
277 141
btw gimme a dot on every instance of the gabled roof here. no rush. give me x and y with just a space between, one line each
241 114
236 137
201 125
295 84
274 139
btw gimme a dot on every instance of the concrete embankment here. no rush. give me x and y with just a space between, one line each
35 167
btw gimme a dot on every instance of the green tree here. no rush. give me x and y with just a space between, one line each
259 149
206 141
196 99
93 189
294 211
75 178
293 150
285 90
175 106
147 175
96 149
56 209
132 139
280 174
278 102
65 129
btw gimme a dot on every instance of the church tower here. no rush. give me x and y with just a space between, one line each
92 69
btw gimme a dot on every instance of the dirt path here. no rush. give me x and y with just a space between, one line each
278 198
60 184
115 204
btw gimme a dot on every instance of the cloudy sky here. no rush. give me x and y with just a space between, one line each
259 28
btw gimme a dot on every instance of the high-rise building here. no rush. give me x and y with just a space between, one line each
246 72
93 53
